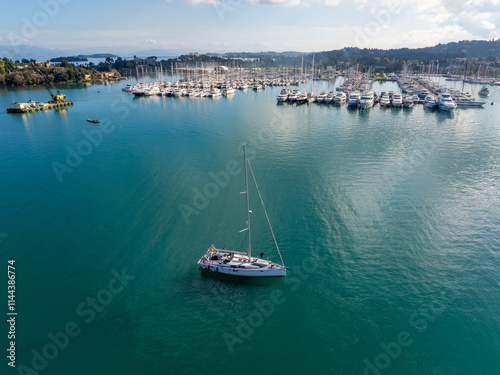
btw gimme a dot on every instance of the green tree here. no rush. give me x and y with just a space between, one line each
332 60
61 74
9 65
17 79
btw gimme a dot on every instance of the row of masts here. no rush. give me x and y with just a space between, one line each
213 81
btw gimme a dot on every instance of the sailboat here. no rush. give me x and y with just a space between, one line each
239 263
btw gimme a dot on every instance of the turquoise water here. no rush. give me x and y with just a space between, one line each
388 220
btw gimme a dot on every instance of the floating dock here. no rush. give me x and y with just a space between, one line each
32 106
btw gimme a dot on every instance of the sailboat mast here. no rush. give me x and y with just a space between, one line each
465 76
249 247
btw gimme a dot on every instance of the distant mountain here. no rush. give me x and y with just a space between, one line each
465 48
19 52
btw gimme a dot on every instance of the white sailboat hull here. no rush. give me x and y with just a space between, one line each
231 263
446 107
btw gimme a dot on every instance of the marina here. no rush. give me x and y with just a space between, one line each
261 187
355 89
355 197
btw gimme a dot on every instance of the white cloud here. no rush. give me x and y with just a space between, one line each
199 2
151 41
476 19
277 2
488 25
290 3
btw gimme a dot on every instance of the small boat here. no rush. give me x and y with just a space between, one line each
214 92
301 97
385 101
283 95
93 120
228 90
397 100
408 101
321 97
329 97
430 101
340 98
239 263
353 100
293 96
485 91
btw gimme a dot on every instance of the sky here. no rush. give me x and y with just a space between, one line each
247 25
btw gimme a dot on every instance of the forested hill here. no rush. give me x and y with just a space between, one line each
489 50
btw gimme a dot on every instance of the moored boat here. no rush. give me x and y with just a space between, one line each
241 263
340 98
430 101
283 95
485 91
366 100
353 100
445 102
397 100
385 101
408 101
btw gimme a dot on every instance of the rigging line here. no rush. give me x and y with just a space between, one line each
267 217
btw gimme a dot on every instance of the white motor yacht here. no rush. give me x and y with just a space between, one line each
408 101
385 101
445 102
366 100
214 92
321 97
353 100
340 98
228 90
283 95
430 101
329 97
397 100
293 96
